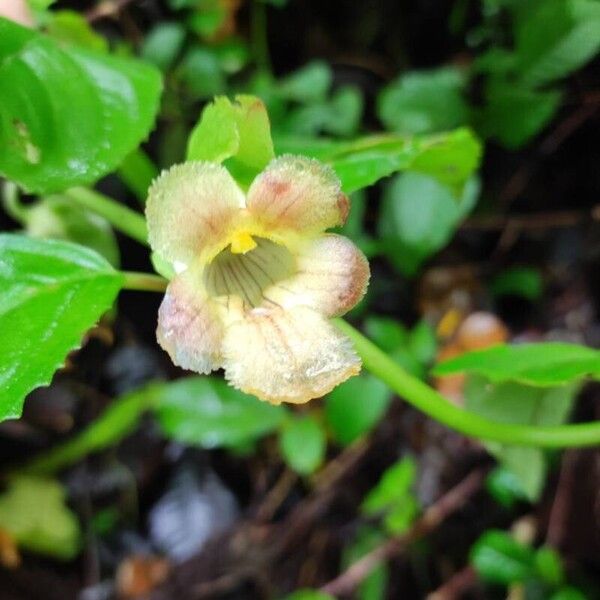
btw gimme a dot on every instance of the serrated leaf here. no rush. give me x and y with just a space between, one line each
206 412
302 442
51 293
47 146
33 511
540 364
356 406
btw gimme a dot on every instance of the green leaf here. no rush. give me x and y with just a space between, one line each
73 28
514 114
569 593
511 402
541 364
450 157
570 38
373 587
387 333
201 73
302 443
51 292
163 44
498 558
424 101
206 412
422 342
33 511
392 497
549 566
47 145
518 281
505 487
237 134
356 406
308 84
419 216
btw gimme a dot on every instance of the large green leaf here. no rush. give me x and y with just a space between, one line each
51 292
449 157
541 364
68 116
33 510
570 36
511 402
424 101
205 411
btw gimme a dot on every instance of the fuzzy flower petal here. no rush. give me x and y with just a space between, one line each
191 208
287 355
331 277
189 327
297 194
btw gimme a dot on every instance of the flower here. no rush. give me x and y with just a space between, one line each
256 277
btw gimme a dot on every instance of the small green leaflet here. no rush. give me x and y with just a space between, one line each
302 443
51 293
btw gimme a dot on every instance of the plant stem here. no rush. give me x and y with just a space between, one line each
144 282
117 421
427 400
120 217
260 41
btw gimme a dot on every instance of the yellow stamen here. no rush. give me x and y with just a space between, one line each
242 242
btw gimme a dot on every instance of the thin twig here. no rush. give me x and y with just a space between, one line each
559 513
106 9
456 586
448 504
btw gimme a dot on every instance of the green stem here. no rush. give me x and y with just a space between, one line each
260 41
117 421
146 282
120 217
137 172
427 400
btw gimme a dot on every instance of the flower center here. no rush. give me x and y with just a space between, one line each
247 274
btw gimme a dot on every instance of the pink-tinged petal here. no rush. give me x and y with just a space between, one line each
331 277
189 327
300 194
287 355
191 210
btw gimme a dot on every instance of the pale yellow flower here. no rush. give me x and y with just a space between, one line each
257 279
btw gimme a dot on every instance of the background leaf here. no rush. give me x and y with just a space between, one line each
51 146
51 292
424 101
353 408
33 511
541 364
419 216
302 442
206 412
